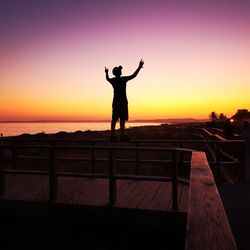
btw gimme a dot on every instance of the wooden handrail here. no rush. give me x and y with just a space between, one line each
53 174
98 148
223 145
4 139
207 226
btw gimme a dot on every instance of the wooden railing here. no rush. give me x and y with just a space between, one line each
207 225
223 153
53 174
226 153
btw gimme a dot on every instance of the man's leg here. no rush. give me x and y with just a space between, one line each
113 123
123 137
112 136
122 126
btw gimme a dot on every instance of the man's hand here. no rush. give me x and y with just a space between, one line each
106 70
141 63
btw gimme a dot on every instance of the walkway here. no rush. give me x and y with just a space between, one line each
149 195
236 199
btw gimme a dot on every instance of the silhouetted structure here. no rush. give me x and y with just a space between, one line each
120 102
246 131
228 129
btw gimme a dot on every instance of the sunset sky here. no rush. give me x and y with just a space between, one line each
53 54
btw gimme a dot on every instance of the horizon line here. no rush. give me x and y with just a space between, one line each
105 120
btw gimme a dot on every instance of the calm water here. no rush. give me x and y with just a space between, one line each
10 129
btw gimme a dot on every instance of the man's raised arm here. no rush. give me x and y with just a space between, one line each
137 71
107 74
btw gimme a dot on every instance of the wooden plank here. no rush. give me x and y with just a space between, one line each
158 196
165 203
121 186
86 191
183 198
131 185
149 196
88 196
26 187
137 200
67 186
127 202
98 195
147 188
207 226
125 192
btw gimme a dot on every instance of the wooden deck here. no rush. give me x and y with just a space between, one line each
149 195
81 215
136 203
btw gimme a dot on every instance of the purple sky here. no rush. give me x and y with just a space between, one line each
188 46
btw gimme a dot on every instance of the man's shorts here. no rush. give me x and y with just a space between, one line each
120 111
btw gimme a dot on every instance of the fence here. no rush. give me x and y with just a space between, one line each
53 174
226 157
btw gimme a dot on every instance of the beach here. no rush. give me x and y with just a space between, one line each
133 131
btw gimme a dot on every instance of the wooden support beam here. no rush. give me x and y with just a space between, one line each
2 174
112 179
207 226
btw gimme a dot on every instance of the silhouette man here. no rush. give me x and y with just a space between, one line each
120 102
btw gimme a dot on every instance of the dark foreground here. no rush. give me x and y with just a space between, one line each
35 226
42 226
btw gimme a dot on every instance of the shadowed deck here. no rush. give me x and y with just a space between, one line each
151 195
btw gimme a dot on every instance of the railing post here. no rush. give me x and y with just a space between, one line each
2 176
217 164
180 165
174 182
242 160
112 179
93 158
137 160
14 158
52 176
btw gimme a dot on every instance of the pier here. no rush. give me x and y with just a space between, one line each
167 189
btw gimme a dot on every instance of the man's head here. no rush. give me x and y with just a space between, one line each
117 71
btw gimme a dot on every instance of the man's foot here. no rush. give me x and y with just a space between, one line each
113 138
124 138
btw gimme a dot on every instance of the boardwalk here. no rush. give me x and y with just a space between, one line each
81 218
236 199
149 195
96 202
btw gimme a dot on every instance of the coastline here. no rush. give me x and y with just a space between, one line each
157 132
167 120
15 129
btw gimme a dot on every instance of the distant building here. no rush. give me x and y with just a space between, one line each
241 116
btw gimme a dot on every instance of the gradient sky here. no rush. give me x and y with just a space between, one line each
53 54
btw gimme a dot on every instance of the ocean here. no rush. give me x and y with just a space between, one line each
18 128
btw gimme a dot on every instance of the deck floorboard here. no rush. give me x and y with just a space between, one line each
149 195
